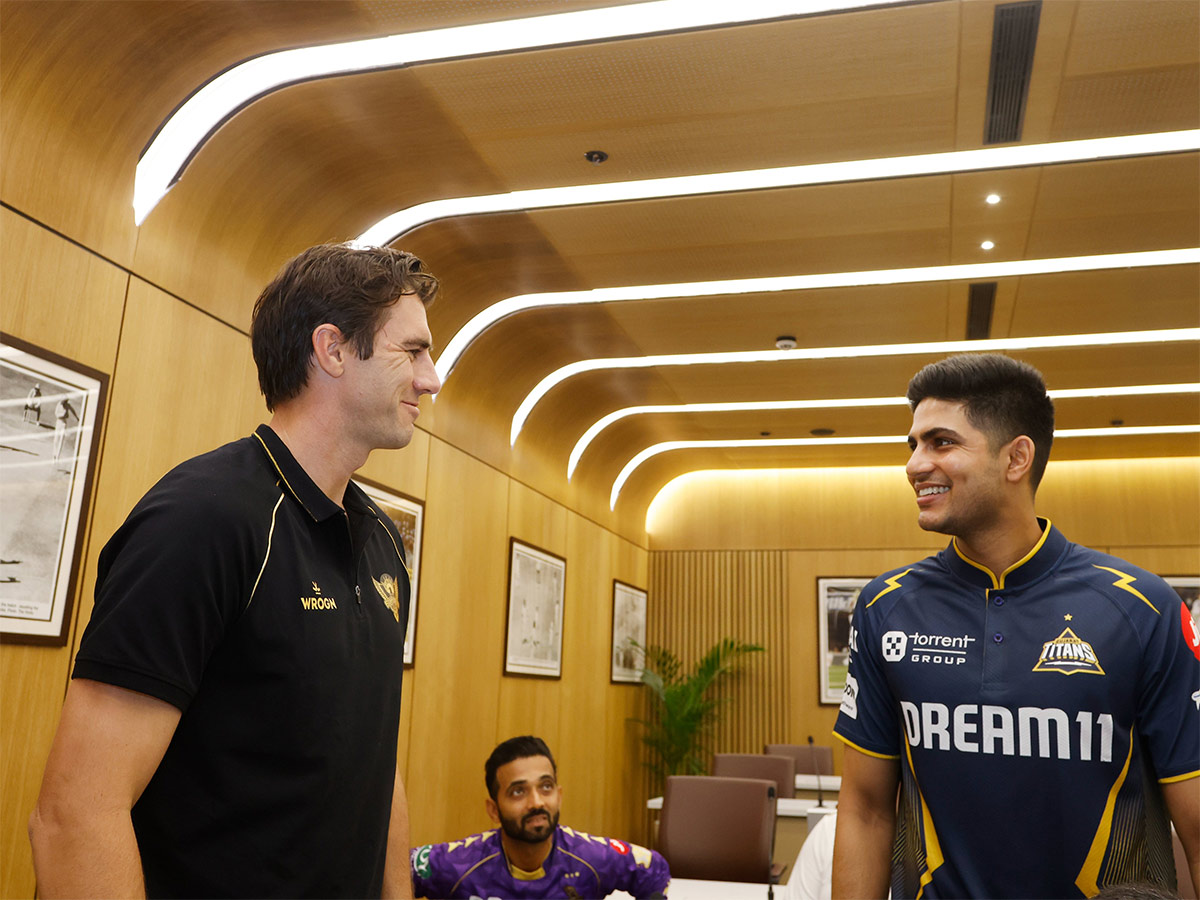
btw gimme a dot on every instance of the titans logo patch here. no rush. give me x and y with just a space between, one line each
1069 655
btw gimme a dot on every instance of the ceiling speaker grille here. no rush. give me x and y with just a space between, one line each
1014 36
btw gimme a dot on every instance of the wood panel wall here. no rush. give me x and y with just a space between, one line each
701 597
182 382
732 551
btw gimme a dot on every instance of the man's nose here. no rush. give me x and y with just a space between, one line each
427 381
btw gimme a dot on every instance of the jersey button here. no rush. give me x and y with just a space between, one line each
998 638
999 601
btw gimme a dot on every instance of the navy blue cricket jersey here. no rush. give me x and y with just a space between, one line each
1034 715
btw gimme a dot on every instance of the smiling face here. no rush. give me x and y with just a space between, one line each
526 806
382 392
959 479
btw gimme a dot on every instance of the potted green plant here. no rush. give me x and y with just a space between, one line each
682 707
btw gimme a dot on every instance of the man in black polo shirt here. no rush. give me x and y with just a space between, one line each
231 725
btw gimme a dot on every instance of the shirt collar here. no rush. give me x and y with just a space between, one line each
1033 566
294 478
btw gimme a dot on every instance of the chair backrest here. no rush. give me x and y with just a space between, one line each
718 829
780 769
814 760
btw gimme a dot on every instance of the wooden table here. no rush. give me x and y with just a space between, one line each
694 889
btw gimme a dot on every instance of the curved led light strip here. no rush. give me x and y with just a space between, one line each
198 118
870 350
856 403
667 446
391 227
486 318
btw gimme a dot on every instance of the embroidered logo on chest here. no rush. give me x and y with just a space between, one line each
1068 654
390 592
318 602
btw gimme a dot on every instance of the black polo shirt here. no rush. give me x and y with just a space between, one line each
238 592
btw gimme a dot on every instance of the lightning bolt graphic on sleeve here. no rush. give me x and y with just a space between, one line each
1125 583
893 583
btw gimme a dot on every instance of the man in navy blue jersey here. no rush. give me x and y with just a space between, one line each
1036 703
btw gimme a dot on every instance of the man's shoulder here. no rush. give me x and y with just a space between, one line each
895 583
1137 590
472 847
223 481
594 847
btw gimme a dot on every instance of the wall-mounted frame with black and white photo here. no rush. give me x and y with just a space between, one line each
51 410
1188 589
409 515
537 581
835 609
628 633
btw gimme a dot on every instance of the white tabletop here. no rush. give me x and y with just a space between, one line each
691 889
809 782
793 807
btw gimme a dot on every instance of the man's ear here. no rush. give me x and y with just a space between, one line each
1020 458
330 349
493 810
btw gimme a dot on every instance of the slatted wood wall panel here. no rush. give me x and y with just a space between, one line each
699 597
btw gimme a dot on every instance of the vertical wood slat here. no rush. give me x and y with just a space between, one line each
699 597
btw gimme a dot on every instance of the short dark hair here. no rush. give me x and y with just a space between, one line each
346 286
514 748
1003 398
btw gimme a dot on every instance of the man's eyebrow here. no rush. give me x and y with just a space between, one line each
936 431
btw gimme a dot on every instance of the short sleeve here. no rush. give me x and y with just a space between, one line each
1169 701
170 581
421 863
634 869
867 718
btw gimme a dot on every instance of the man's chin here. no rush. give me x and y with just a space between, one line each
932 523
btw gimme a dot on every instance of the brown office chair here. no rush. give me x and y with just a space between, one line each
780 769
810 760
718 829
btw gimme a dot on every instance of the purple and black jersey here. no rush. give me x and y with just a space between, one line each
579 866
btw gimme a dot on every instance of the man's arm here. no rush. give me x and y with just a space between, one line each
397 877
1183 803
108 745
866 825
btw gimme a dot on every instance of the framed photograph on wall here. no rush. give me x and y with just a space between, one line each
1188 588
835 609
409 515
628 633
51 409
537 583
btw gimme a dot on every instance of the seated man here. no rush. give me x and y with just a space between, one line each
531 855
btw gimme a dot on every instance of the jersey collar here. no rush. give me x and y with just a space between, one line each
293 476
1032 567
520 874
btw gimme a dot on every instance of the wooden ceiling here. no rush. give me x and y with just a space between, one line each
326 159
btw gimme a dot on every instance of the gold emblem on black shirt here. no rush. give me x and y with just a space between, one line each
389 592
